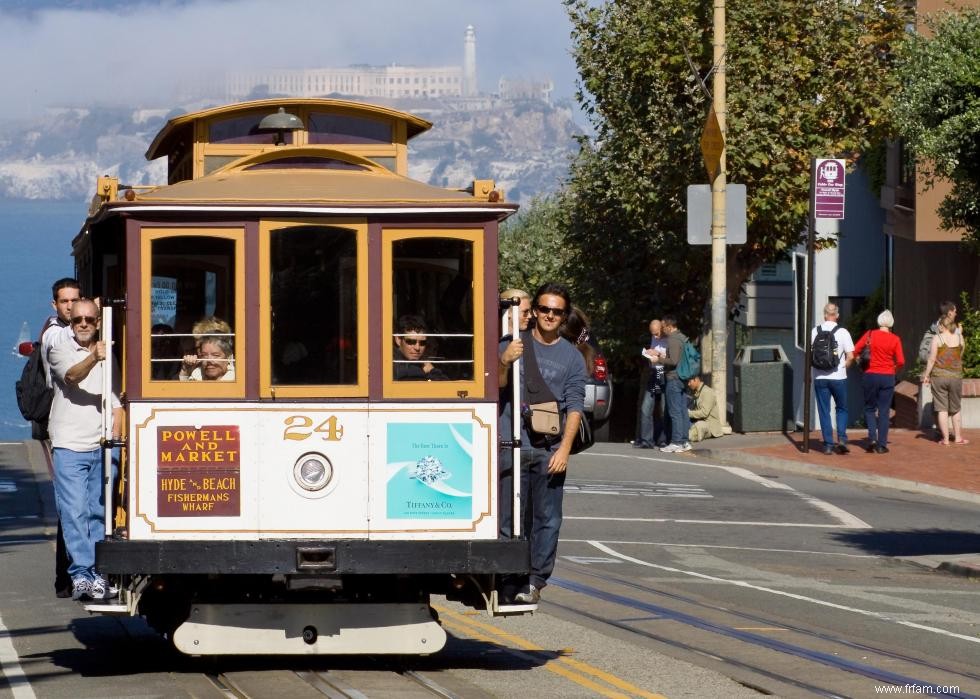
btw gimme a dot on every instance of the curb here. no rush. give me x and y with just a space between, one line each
967 570
739 458
966 566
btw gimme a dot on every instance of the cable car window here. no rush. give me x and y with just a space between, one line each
192 309
307 163
433 309
243 129
337 128
314 305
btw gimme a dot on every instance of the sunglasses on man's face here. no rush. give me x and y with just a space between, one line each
412 343
548 310
89 320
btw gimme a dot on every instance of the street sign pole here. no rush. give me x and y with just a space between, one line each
719 295
808 308
827 190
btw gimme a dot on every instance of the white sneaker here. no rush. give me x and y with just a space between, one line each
686 446
672 448
102 590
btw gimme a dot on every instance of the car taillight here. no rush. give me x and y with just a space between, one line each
599 372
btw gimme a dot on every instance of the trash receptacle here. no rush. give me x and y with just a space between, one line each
763 390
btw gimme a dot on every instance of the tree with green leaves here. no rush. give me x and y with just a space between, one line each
938 112
532 247
806 78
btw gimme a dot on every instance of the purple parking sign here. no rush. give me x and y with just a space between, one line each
828 188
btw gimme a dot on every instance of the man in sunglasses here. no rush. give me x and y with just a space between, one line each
75 425
544 460
411 343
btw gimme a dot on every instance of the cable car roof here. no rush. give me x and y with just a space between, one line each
311 178
162 144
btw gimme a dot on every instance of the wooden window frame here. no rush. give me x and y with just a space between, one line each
472 389
174 388
266 388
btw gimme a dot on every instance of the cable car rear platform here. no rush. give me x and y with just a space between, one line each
298 556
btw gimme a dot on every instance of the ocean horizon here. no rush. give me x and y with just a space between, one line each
37 237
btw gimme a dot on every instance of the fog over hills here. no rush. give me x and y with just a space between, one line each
525 146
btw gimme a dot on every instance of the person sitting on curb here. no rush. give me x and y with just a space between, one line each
705 417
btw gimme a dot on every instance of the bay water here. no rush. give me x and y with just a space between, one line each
36 237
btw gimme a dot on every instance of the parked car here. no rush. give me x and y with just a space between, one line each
599 394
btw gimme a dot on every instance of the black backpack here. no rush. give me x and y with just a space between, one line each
823 352
33 393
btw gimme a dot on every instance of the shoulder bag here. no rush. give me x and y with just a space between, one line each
542 415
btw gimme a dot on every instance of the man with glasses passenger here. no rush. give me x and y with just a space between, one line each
75 425
544 459
411 343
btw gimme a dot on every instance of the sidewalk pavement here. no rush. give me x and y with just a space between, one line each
916 462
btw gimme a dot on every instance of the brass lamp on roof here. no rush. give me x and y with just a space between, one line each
281 122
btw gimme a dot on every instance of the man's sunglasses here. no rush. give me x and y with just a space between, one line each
548 310
90 320
413 343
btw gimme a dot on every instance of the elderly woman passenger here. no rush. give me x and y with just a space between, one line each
214 361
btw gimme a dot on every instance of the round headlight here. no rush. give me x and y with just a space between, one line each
313 472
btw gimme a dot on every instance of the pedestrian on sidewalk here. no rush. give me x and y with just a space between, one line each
944 372
704 414
654 420
878 382
830 377
680 422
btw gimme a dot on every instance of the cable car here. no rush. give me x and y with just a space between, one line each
308 349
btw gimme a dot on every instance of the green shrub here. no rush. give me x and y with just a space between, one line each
970 318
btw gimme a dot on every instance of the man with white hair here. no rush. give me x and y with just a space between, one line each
75 425
830 377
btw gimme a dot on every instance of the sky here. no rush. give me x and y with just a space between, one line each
137 52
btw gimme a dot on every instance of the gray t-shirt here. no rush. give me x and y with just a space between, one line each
563 370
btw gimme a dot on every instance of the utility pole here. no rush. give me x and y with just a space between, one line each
719 296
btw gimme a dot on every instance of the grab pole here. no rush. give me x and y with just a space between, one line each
107 443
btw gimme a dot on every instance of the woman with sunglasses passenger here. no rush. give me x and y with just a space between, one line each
411 343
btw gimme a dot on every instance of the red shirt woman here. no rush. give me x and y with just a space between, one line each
878 381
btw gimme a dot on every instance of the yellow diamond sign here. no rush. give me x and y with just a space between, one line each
712 145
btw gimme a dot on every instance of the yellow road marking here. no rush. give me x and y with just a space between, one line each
578 665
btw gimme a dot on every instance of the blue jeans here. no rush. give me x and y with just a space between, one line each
680 421
825 389
654 424
541 497
80 499
878 392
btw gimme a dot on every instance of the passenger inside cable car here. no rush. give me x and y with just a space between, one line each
412 343
214 361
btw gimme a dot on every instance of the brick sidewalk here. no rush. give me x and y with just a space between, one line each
913 456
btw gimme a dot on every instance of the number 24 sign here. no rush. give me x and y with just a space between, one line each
300 427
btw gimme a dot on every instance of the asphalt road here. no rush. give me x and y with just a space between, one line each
676 577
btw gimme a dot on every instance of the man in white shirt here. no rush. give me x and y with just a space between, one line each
75 425
832 383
